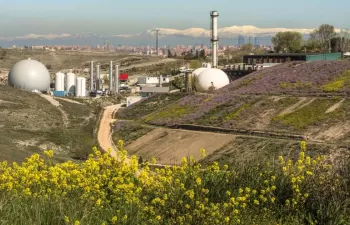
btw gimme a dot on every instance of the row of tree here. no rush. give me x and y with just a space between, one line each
323 39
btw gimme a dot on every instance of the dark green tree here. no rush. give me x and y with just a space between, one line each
288 42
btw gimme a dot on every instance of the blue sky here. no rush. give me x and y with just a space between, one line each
19 17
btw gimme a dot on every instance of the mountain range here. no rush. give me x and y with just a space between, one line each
227 35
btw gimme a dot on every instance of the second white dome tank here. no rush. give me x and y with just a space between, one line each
211 78
198 71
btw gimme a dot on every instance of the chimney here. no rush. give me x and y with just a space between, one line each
97 71
110 76
160 80
92 76
116 78
214 37
98 81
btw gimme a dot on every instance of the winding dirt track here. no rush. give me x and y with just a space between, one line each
105 130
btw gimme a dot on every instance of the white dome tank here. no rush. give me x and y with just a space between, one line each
70 87
198 71
81 87
29 75
59 81
211 78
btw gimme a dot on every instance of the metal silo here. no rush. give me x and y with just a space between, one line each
83 87
80 87
71 82
59 81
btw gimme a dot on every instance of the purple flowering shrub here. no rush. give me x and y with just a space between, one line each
290 77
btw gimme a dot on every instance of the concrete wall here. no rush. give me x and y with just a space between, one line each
155 89
132 99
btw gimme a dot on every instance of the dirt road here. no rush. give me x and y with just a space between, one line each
104 131
54 102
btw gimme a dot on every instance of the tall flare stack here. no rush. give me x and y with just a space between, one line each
110 75
116 79
92 76
214 37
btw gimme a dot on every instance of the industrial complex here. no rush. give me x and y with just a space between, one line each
33 76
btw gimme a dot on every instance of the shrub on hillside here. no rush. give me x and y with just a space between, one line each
104 190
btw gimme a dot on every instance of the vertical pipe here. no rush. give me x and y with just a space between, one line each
157 48
116 78
110 76
92 76
160 80
214 36
98 82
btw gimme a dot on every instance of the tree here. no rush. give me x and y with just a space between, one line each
194 64
288 41
311 45
236 55
169 54
323 36
343 42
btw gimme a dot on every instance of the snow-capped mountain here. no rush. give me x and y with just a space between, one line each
227 35
227 32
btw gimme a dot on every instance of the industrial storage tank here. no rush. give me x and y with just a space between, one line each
70 84
198 71
59 81
205 66
29 75
81 87
211 78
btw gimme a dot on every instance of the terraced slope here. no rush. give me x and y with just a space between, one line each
307 100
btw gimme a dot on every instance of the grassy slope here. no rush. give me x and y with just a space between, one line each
129 131
29 123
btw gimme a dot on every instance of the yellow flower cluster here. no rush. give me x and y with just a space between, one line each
304 174
187 194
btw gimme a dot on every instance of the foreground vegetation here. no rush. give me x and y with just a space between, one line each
103 190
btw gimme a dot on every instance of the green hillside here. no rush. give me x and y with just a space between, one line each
30 123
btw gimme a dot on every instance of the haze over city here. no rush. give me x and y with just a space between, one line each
23 20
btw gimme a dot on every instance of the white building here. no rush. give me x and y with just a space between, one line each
152 81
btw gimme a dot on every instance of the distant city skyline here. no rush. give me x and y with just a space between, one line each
107 17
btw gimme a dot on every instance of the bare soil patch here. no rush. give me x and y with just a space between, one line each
169 146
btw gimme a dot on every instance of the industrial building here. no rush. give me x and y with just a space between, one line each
152 80
287 57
